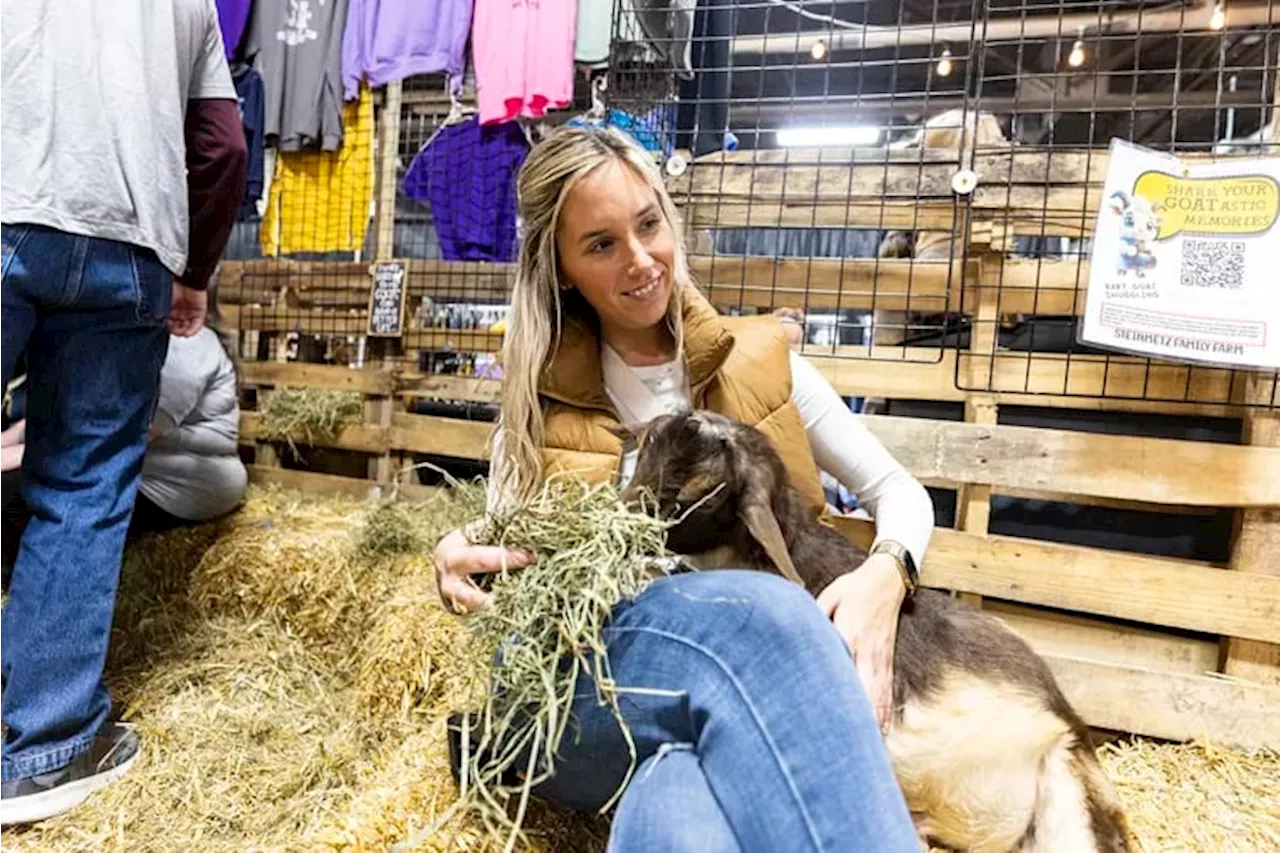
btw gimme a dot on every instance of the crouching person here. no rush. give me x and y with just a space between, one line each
759 732
192 470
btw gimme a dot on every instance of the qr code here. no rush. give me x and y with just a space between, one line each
1213 263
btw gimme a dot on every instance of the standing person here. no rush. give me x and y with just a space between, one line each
122 140
756 731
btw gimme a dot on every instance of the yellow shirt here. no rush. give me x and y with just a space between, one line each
319 200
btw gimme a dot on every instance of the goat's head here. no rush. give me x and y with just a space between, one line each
711 474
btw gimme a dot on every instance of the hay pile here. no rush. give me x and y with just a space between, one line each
303 415
289 674
290 671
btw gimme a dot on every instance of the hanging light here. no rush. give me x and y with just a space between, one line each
1076 57
818 51
1218 19
944 63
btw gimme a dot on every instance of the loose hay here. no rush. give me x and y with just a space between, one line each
267 723
390 530
545 627
1197 797
303 415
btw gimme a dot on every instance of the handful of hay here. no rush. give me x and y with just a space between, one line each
543 629
305 414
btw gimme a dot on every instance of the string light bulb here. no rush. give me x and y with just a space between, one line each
1218 19
944 63
818 51
1076 57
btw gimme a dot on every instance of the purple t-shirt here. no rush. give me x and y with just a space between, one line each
389 40
232 17
467 173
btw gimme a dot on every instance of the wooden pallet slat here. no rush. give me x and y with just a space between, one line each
305 375
1171 705
1117 584
1152 470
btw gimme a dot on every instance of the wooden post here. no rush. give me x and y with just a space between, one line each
1256 544
388 147
377 410
973 500
264 452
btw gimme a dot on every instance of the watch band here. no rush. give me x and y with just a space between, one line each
905 562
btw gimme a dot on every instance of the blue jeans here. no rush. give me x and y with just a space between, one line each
90 316
769 743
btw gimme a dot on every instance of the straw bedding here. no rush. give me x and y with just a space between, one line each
290 670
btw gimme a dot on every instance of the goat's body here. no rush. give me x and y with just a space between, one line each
989 754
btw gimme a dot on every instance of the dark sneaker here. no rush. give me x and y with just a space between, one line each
38 797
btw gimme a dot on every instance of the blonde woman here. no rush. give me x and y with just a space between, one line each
764 737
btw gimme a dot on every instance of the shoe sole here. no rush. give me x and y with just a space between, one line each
47 804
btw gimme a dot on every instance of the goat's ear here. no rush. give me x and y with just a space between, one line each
696 488
622 432
756 511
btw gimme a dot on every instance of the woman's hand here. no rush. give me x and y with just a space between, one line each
864 605
16 434
457 560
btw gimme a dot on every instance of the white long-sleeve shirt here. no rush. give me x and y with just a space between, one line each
842 445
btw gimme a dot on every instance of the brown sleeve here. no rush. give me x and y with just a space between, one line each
216 163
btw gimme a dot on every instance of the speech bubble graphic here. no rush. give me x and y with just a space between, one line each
1240 205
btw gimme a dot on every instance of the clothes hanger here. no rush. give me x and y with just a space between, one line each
458 111
599 86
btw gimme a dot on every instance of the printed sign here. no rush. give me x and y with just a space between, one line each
386 299
1185 261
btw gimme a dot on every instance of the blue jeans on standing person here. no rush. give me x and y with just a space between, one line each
90 315
763 739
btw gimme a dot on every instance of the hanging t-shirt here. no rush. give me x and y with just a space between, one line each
594 30
651 130
523 53
232 17
467 173
249 88
389 40
319 200
296 45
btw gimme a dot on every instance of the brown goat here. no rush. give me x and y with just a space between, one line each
989 754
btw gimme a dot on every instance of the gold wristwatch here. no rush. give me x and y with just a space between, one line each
905 562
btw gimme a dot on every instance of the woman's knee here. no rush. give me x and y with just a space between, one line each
669 806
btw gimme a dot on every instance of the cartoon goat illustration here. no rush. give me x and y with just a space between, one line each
1139 226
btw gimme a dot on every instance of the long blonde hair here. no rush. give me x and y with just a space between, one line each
539 307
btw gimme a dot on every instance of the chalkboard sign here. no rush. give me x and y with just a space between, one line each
386 299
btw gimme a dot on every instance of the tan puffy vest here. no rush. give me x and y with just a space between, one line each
737 366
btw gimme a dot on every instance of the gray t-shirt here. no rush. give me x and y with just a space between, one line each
193 469
296 45
93 95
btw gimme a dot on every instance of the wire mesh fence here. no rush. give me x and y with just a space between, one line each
914 181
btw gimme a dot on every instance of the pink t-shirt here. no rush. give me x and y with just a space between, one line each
523 52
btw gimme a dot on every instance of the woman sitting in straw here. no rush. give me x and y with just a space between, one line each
769 741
